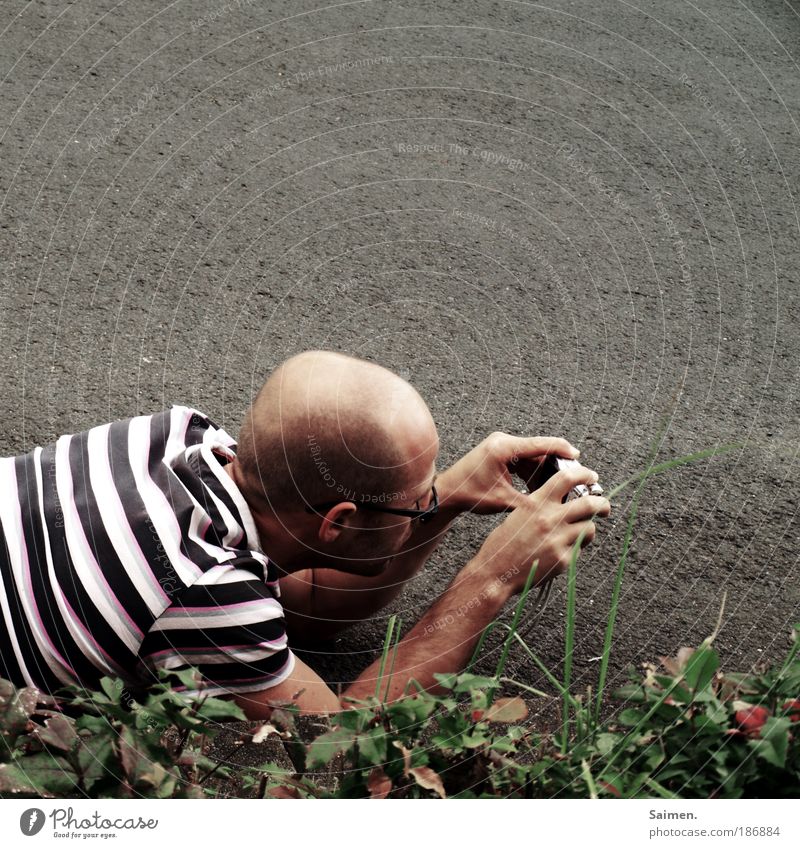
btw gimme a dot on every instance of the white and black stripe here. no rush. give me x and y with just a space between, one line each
126 548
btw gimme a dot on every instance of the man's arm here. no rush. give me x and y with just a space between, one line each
541 529
442 640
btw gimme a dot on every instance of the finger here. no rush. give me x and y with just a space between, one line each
531 447
582 509
584 531
562 483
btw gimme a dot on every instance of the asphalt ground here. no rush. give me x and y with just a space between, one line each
575 220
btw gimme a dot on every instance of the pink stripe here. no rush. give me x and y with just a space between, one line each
221 649
90 638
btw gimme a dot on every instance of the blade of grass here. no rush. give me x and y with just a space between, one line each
792 653
651 471
569 640
551 678
514 624
612 613
394 657
587 776
479 647
386 643
537 692
660 790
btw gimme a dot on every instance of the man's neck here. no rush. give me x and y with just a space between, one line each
276 540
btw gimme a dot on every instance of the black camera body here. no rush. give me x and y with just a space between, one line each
552 464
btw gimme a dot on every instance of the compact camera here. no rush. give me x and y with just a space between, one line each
551 465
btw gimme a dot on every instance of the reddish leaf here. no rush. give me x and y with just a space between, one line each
428 779
57 732
676 665
283 792
793 709
609 787
752 719
506 710
379 784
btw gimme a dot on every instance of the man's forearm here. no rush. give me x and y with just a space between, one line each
444 638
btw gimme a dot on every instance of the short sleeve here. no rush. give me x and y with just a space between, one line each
232 630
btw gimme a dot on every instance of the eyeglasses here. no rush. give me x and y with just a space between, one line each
424 515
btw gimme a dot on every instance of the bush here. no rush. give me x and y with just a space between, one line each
683 730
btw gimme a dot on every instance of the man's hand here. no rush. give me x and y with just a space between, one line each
545 529
481 481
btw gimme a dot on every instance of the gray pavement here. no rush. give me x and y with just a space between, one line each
577 219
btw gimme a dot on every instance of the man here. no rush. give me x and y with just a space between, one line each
151 543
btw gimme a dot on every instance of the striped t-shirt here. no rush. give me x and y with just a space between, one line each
128 547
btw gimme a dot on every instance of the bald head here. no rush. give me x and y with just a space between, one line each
328 427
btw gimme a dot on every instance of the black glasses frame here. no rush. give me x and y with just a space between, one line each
424 515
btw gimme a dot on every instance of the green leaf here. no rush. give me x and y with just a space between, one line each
422 706
774 741
372 746
324 748
97 760
473 740
355 719
15 780
468 682
189 677
605 742
93 724
55 775
218 709
660 790
700 668
504 745
630 717
655 756
679 693
159 779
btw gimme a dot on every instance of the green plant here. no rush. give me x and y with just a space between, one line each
106 744
683 730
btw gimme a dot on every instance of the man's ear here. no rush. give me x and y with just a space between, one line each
332 523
